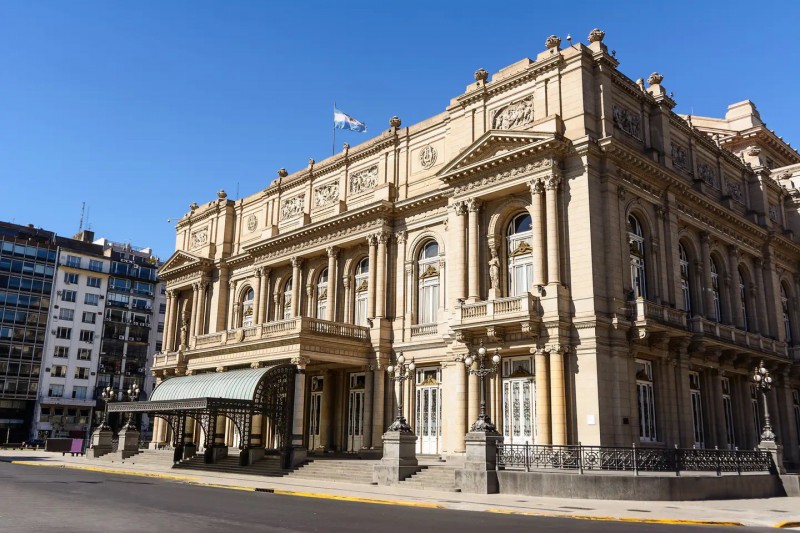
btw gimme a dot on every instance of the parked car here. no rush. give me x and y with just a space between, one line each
35 443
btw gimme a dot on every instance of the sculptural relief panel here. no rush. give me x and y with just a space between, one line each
514 116
363 180
198 238
628 121
326 194
292 207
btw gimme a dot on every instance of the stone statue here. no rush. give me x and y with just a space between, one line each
185 327
494 269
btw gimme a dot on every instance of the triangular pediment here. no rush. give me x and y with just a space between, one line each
495 146
182 261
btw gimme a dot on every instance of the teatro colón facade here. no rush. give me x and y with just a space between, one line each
632 266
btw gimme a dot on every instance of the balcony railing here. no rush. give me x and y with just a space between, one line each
631 459
734 335
424 330
642 309
501 308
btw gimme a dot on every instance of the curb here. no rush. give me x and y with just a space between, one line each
106 470
784 525
668 521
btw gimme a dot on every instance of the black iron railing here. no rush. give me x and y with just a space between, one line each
634 459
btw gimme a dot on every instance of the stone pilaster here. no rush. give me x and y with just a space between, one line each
542 377
553 233
537 226
297 263
473 270
333 254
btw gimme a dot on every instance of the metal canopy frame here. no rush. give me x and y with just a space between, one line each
273 398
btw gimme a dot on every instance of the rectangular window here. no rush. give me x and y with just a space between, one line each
89 317
160 327
55 391
118 284
81 373
68 296
646 400
756 411
79 393
70 278
61 351
92 281
63 333
95 265
58 371
66 314
84 354
796 402
91 299
73 261
140 287
162 309
141 305
118 300
87 335
697 409
727 408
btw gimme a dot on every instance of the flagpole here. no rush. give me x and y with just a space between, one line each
333 143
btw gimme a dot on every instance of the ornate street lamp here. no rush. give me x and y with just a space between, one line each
483 424
763 382
107 395
133 396
400 372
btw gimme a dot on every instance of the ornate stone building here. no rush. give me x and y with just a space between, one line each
631 264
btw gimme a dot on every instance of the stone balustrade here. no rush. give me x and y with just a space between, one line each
424 330
501 308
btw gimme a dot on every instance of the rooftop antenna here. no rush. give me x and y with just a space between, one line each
80 226
237 190
88 210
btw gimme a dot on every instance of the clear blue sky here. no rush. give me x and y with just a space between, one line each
140 108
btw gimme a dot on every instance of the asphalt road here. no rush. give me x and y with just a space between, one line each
64 500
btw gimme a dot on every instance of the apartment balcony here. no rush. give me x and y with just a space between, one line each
497 318
728 336
295 337
65 401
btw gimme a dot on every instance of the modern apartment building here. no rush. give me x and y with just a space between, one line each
72 344
27 270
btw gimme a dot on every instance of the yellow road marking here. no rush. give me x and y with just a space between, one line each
793 523
357 499
106 470
622 519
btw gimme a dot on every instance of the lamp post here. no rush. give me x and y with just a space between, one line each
400 372
107 395
483 424
133 396
763 383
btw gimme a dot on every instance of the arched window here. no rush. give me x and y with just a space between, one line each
520 255
322 295
362 292
287 299
247 308
686 286
428 298
638 271
787 323
743 301
715 294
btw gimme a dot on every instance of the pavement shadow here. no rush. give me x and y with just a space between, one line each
23 457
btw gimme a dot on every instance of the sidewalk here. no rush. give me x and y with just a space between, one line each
771 512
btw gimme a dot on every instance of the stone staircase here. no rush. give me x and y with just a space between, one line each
433 477
269 466
343 470
145 458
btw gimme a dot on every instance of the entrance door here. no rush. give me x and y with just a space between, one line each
697 409
355 412
519 416
428 411
315 413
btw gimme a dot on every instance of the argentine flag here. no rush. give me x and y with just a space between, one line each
343 121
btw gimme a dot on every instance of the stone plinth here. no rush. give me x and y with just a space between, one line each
101 443
479 474
189 450
776 450
299 456
399 458
214 453
128 443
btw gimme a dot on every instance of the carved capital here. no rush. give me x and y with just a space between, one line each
384 236
474 205
258 272
536 185
460 208
372 239
400 237
300 362
297 262
552 182
556 347
333 251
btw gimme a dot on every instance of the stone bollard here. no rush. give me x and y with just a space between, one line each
101 443
399 458
479 474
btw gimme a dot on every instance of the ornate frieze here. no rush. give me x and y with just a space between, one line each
326 194
514 116
735 192
506 175
292 207
363 180
198 238
427 157
680 158
707 173
628 121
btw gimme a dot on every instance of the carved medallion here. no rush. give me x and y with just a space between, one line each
363 180
427 156
514 116
252 223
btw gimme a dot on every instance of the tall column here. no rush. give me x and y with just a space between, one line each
458 423
474 206
763 317
734 296
553 237
400 268
378 392
195 307
263 314
720 426
372 240
326 408
558 399
333 253
542 377
296 295
380 276
348 299
473 398
222 304
537 208
368 399
457 246
257 296
298 416
705 246
233 306
169 320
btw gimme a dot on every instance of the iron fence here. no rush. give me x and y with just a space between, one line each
630 459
